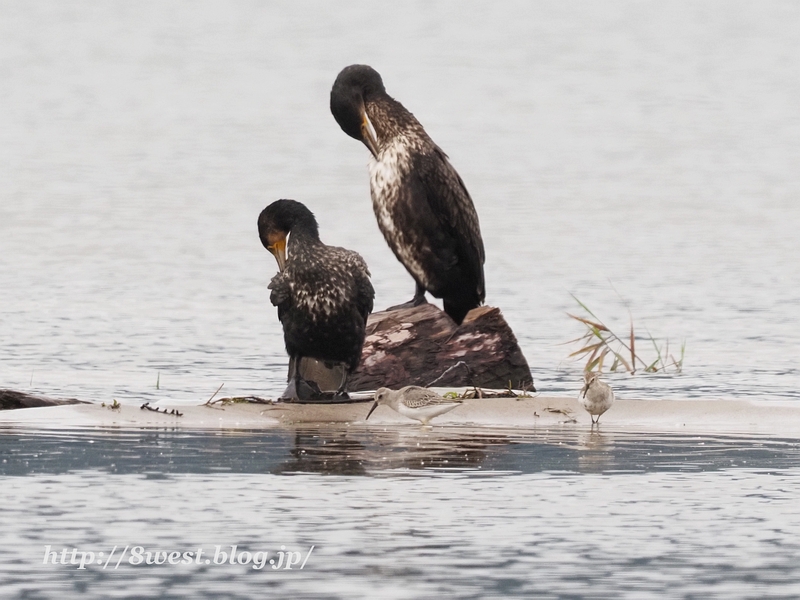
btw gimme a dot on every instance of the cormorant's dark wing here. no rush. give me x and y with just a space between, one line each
281 295
364 292
450 201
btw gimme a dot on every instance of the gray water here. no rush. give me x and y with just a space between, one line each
405 513
638 155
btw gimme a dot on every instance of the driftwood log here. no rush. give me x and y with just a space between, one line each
411 346
423 346
11 399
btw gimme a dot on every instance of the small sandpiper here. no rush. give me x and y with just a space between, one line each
596 396
414 402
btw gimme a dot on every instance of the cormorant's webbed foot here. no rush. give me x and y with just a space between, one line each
418 300
341 394
301 389
409 304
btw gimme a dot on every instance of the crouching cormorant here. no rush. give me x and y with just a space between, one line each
423 208
323 293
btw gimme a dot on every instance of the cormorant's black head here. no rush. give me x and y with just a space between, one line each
278 220
353 88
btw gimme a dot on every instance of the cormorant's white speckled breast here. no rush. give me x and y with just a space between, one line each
387 174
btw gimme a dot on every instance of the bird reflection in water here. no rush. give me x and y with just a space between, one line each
332 451
327 452
595 451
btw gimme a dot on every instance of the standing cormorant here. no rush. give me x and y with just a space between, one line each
323 293
423 208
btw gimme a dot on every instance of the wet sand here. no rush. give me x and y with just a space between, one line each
677 416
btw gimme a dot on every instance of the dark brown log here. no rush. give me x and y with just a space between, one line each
11 399
423 346
417 346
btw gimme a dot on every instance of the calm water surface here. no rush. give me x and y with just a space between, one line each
405 513
635 153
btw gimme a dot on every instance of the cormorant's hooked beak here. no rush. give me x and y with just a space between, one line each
368 135
278 250
371 410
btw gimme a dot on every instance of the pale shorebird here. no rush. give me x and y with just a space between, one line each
596 396
414 402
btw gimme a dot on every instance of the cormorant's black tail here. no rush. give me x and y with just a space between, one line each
457 312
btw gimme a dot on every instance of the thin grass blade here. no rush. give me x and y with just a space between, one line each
586 349
584 307
593 324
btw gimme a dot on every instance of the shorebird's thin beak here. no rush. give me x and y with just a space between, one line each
278 250
371 410
585 389
368 135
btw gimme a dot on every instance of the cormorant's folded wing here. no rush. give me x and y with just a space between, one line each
450 201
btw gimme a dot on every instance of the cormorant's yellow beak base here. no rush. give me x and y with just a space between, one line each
278 250
368 134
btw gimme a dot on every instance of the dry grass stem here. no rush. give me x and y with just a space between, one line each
599 342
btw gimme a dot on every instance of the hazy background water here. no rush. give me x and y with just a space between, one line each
651 145
646 147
